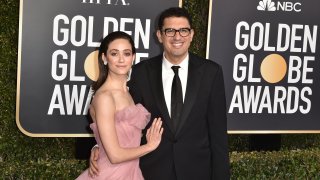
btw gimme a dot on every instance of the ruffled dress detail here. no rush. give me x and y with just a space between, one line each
129 123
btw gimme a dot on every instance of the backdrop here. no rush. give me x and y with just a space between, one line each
57 48
270 57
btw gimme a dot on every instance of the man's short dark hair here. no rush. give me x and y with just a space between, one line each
174 12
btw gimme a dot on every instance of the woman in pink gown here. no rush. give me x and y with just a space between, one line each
117 121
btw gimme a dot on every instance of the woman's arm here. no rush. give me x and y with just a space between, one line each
104 108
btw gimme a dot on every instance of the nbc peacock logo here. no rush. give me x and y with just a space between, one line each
106 2
287 6
266 5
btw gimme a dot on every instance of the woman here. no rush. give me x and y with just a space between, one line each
117 121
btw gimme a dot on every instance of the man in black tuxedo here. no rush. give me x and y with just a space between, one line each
194 145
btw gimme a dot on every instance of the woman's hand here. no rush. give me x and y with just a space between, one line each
93 168
154 134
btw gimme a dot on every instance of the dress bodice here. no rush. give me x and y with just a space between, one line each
129 123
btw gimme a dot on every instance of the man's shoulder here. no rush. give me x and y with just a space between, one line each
148 62
203 61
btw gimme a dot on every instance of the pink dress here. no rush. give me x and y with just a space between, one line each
129 123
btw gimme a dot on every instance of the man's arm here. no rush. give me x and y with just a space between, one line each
133 87
217 119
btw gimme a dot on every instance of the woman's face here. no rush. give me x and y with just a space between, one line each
119 57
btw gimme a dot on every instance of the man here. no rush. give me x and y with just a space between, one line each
194 144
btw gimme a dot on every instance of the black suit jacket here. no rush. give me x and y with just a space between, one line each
198 150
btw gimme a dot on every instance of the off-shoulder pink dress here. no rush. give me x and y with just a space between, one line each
129 123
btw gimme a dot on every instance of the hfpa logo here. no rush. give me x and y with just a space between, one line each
107 2
269 5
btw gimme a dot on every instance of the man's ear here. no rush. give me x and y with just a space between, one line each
192 34
159 35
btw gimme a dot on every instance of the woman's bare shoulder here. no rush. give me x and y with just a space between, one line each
103 98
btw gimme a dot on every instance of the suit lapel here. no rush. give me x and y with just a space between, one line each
155 72
193 84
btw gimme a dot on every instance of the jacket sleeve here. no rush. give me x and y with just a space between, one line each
217 121
133 86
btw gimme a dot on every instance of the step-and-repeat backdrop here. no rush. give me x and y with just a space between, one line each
269 51
58 40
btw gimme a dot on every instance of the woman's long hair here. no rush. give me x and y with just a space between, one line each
103 49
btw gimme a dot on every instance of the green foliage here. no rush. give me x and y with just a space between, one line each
199 11
238 143
299 141
40 168
293 164
23 157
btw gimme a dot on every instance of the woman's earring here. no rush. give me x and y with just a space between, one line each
105 62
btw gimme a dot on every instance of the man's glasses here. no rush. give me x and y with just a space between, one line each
170 32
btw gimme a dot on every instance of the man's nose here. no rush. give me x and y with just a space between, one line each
177 35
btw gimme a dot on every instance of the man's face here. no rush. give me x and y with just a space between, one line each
176 47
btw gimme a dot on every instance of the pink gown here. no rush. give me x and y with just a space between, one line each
129 123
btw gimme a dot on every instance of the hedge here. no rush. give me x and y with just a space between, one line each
286 164
23 157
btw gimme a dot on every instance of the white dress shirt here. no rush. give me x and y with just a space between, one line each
167 77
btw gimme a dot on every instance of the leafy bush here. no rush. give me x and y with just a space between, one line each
286 164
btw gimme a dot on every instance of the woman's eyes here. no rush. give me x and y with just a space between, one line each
117 53
127 54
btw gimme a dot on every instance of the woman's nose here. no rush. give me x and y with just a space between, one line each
121 58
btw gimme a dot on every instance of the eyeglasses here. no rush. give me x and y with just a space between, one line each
170 32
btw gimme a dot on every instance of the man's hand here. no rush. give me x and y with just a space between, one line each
93 167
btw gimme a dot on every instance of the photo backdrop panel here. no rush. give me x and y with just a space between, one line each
269 51
57 47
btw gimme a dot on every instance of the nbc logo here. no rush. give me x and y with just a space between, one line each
107 2
269 5
266 5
